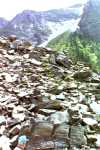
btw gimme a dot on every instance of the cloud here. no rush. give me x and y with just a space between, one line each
9 8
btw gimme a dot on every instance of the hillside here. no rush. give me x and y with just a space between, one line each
84 43
50 95
79 48
48 98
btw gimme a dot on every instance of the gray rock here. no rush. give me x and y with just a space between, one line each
77 137
43 129
59 117
95 107
62 131
63 60
52 59
90 121
2 120
82 74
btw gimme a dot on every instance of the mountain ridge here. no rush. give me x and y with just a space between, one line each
37 26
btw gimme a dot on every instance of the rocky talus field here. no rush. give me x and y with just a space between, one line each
47 97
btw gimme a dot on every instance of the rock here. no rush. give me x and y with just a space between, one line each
35 62
52 59
44 101
2 129
71 85
27 44
54 105
15 130
98 140
61 87
3 43
59 117
60 96
83 108
14 141
12 38
95 107
83 74
95 78
5 143
63 60
18 113
26 56
43 129
40 118
53 97
77 137
97 96
40 145
2 120
10 57
90 121
12 51
46 112
11 78
61 131
94 139
75 115
15 44
91 139
22 94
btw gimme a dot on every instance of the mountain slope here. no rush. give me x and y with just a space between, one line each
48 99
38 26
84 44
3 22
79 48
90 21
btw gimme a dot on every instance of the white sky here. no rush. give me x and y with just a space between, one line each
9 8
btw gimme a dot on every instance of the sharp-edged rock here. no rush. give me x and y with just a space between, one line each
52 101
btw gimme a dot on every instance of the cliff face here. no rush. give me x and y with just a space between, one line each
90 21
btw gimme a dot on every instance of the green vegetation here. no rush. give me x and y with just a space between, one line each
79 48
61 42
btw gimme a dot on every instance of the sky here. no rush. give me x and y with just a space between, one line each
9 8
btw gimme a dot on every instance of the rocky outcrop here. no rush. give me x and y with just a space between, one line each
90 21
47 100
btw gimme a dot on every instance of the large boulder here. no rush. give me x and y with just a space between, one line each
77 136
82 74
63 60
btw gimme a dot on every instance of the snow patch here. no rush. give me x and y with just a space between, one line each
58 28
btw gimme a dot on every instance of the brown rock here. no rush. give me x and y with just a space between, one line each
12 38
